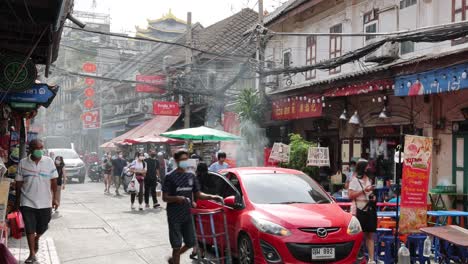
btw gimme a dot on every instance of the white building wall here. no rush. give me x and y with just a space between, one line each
350 13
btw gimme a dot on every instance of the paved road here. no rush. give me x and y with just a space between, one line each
95 228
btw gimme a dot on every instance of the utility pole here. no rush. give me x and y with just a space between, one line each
260 51
188 62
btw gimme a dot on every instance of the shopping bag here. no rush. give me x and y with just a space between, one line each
15 222
134 185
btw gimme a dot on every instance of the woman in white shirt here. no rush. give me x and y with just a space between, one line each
138 167
363 205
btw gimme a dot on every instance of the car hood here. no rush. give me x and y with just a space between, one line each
73 162
304 215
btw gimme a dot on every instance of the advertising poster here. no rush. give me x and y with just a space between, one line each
415 183
319 157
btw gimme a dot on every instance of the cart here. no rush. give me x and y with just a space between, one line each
210 226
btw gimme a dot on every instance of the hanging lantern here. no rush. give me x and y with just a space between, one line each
88 103
89 92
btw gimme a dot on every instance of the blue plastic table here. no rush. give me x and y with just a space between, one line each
391 214
441 216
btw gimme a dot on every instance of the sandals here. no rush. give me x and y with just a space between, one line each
30 259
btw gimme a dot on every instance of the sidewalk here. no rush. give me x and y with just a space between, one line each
47 252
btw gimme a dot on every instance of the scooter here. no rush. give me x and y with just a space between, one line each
95 172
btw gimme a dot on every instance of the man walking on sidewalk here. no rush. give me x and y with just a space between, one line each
151 179
118 164
36 185
178 189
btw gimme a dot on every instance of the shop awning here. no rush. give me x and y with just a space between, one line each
149 129
361 88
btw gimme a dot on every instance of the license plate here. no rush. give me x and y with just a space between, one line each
323 253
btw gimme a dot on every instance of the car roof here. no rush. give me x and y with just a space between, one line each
262 170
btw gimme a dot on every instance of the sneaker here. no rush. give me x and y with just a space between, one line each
140 208
147 206
133 207
371 262
156 205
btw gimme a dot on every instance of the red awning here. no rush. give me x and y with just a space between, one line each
153 139
150 129
361 88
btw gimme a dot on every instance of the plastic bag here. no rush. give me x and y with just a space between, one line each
5 255
16 224
133 185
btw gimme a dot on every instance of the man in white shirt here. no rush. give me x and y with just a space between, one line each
36 185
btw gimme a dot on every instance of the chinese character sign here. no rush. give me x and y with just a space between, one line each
319 157
296 108
91 119
414 188
153 84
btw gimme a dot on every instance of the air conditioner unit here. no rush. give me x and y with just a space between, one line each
386 53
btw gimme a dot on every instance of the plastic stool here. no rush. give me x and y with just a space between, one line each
387 224
386 245
416 247
378 235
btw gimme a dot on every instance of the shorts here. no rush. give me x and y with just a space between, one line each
368 221
182 231
36 221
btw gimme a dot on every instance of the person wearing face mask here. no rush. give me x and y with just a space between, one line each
178 189
61 180
138 166
151 179
36 186
349 176
107 168
363 205
118 165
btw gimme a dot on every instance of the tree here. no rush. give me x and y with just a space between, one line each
298 155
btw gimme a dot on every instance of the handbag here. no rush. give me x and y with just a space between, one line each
133 185
369 209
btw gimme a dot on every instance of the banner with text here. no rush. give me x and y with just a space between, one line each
296 108
166 108
153 84
415 183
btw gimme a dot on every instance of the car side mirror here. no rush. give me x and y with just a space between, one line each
230 201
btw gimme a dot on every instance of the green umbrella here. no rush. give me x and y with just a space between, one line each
201 133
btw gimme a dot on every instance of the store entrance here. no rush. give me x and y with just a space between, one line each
460 165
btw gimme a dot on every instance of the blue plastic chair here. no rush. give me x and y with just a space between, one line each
416 247
386 246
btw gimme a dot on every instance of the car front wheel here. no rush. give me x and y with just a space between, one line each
246 253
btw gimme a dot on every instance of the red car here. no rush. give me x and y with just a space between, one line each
277 215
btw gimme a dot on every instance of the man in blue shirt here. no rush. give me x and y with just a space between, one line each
220 164
178 190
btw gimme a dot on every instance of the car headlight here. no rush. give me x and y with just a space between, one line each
269 227
354 226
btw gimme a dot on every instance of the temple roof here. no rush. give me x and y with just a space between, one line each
168 16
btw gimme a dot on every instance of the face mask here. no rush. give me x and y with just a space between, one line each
153 155
37 153
142 158
57 162
121 156
184 164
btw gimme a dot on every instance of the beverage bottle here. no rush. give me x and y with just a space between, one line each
403 255
427 247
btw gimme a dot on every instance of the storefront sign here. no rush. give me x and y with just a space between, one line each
319 157
296 108
361 88
154 82
414 188
443 80
166 108
91 119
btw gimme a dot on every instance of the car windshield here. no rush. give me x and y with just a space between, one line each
279 188
65 153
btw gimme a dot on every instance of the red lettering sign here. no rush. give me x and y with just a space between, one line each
91 119
296 108
89 81
89 67
166 108
89 92
89 103
153 86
